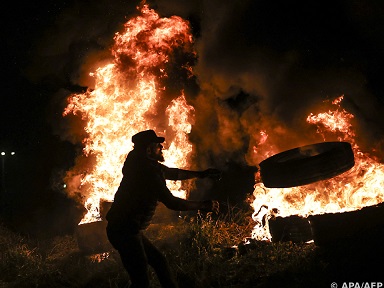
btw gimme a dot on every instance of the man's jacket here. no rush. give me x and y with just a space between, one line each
142 186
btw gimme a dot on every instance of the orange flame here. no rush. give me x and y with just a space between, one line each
123 102
359 187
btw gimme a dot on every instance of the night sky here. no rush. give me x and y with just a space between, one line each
265 62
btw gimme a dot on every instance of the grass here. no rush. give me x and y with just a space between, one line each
204 250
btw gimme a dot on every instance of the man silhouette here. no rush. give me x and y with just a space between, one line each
142 186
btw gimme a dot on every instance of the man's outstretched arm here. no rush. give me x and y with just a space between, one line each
181 174
179 204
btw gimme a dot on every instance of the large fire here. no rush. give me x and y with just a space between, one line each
126 98
124 102
359 187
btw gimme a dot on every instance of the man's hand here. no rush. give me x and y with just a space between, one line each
211 173
210 206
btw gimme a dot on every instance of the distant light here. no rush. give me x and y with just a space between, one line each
65 185
13 153
2 153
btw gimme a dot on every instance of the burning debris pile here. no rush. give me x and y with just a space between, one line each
359 186
145 86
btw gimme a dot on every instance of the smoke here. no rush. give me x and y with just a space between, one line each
260 67
78 41
263 51
286 59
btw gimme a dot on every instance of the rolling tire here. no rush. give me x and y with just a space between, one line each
306 164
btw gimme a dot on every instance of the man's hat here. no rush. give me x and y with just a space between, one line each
146 137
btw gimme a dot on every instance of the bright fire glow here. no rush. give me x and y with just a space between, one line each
359 187
179 113
128 96
124 102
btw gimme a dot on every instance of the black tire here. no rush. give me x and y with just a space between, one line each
306 164
293 228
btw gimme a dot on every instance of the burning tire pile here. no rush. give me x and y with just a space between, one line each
330 228
359 224
308 164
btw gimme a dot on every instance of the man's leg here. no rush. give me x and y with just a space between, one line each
133 257
159 263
